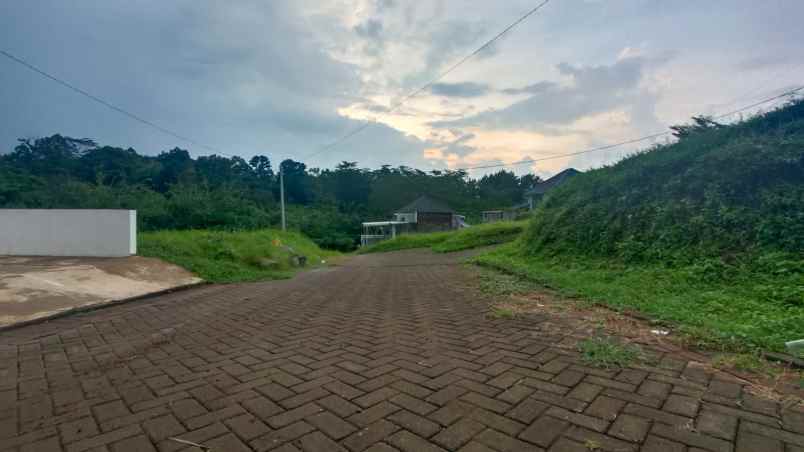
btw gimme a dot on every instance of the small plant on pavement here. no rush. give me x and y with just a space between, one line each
501 313
607 352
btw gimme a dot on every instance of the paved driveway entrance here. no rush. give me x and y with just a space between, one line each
389 352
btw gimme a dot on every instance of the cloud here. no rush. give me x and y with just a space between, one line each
536 88
463 89
591 90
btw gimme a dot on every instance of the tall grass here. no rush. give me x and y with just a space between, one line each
462 239
221 256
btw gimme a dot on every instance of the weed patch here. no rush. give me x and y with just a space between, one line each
606 352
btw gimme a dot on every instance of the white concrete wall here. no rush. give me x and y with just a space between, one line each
68 232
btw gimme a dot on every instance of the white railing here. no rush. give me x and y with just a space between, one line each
370 239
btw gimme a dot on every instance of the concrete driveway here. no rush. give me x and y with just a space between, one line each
35 287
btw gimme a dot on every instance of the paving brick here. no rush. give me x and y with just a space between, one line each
659 444
365 437
409 442
683 405
110 410
373 414
417 424
209 418
630 428
291 416
544 431
605 442
717 424
658 415
764 430
585 391
104 439
451 412
690 438
46 445
458 433
488 403
318 442
527 410
162 427
78 430
247 427
187 408
134 444
335 427
339 405
749 442
375 397
262 407
503 443
279 437
605 408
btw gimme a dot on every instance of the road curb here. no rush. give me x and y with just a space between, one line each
102 305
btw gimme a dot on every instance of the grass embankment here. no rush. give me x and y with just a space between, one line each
220 256
737 313
706 234
446 242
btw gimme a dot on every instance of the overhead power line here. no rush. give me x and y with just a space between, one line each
109 104
432 82
634 140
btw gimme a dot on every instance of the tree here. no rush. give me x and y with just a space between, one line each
502 185
699 124
176 165
49 156
297 186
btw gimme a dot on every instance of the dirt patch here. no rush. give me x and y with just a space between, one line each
576 320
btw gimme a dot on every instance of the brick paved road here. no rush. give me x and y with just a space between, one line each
391 352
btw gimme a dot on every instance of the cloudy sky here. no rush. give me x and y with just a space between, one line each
286 77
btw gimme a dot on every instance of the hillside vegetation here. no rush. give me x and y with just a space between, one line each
220 256
445 242
706 233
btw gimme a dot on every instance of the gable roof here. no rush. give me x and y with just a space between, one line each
425 203
558 179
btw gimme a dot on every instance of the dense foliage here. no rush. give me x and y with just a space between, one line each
176 191
720 191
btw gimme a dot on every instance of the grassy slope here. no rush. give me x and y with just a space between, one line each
445 242
219 256
734 314
706 234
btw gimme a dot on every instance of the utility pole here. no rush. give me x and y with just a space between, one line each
282 195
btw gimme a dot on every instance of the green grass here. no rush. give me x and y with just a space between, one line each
462 239
736 309
219 256
501 313
608 353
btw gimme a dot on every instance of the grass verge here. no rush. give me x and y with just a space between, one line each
462 239
738 312
220 256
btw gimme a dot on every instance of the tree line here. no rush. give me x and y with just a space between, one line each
173 190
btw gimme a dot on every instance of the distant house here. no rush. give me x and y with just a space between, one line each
530 198
424 214
538 191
